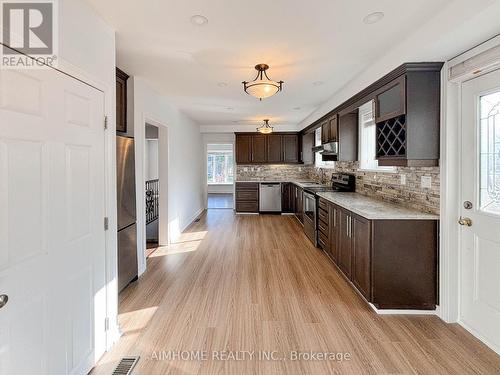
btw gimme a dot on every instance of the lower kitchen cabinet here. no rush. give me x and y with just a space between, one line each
392 263
344 260
299 203
247 197
287 197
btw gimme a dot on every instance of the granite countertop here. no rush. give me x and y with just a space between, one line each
301 184
375 209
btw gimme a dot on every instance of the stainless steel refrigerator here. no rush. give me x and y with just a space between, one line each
127 213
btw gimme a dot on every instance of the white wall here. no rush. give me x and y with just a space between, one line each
458 27
151 163
87 52
185 162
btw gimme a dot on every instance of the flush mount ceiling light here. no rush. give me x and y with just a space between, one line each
199 20
265 128
262 87
373 18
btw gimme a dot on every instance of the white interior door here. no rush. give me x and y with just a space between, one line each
52 249
480 183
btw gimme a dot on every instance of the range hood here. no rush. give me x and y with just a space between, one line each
331 148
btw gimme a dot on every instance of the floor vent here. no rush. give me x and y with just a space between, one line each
126 366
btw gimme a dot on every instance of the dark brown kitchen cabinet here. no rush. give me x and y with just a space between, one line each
290 148
348 137
121 101
334 212
275 148
345 243
259 149
325 132
243 149
329 129
392 263
361 255
390 101
287 197
247 197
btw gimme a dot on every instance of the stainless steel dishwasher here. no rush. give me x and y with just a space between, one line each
270 197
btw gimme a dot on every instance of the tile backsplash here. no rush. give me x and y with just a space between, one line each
278 172
381 185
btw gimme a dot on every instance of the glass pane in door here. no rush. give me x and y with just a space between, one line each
489 186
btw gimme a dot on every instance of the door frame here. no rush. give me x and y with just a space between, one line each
163 171
451 140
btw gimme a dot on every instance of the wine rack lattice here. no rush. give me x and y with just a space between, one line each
391 137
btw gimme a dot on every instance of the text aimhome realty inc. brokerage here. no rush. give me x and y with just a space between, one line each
246 355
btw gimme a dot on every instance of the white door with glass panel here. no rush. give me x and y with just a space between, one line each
52 250
480 209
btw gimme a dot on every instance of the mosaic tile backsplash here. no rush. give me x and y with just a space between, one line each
381 185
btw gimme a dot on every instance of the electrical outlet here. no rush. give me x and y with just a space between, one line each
403 179
426 182
245 169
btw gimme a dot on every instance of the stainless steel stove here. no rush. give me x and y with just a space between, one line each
340 182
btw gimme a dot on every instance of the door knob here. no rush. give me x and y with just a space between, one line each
465 221
4 298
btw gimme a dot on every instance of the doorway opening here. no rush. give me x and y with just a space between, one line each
220 176
152 188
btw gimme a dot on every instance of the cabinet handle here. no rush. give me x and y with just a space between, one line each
334 217
347 225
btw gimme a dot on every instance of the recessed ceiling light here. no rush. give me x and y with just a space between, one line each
199 20
296 108
318 83
222 84
373 18
230 108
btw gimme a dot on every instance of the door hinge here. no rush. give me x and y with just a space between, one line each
105 122
106 223
106 324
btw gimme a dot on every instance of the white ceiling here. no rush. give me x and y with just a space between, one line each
302 41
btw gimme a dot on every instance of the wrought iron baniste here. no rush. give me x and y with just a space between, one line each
152 194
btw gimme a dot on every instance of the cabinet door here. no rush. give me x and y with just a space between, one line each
345 243
290 148
325 132
243 149
121 101
361 255
299 204
348 137
259 154
334 232
333 125
390 102
286 197
274 149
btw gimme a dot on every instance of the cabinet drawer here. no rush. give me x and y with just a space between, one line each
247 195
247 186
323 227
323 215
247 206
323 204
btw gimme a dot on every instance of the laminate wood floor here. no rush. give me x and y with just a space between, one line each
255 283
220 200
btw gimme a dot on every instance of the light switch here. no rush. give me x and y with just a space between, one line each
426 182
403 179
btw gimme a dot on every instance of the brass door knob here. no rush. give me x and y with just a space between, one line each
465 221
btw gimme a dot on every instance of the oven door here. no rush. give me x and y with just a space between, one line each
310 217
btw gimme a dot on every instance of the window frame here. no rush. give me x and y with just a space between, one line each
227 165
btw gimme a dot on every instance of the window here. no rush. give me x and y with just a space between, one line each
367 140
220 164
318 159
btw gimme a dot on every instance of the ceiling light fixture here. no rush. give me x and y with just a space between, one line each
265 128
373 18
262 87
199 20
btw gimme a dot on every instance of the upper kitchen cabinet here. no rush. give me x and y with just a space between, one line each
407 113
121 101
330 129
275 148
348 136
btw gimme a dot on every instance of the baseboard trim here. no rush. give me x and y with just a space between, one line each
403 311
193 218
480 337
